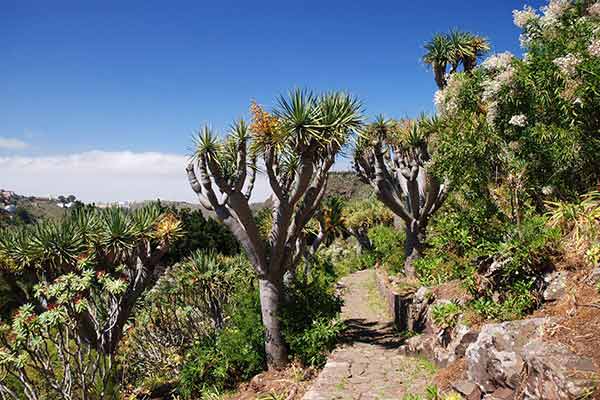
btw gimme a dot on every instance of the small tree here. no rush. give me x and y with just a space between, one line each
297 145
362 215
393 157
88 273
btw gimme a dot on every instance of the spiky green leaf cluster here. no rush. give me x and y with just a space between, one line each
301 122
110 236
365 214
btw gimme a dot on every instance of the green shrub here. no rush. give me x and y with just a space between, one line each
201 234
313 344
309 318
189 303
388 247
515 304
236 353
446 315
353 261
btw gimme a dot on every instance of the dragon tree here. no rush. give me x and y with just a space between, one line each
446 52
77 282
296 145
393 156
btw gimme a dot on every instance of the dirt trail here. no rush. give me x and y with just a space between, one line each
367 365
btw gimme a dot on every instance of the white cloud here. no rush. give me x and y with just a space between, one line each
102 176
12 144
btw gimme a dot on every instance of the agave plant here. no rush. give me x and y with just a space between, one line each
296 143
89 271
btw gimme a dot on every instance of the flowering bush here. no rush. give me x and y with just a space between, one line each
543 111
517 134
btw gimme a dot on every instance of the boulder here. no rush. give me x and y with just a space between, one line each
468 390
513 357
495 359
555 373
556 285
436 347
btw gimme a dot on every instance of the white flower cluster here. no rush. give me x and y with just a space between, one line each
438 100
501 75
498 61
446 100
518 120
553 11
547 190
522 17
524 40
594 48
567 64
594 9
492 86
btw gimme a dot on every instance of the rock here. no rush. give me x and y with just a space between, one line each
463 336
417 318
495 359
501 394
434 346
468 390
556 373
556 285
423 345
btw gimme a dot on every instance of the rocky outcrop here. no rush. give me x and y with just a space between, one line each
443 347
495 359
511 359
554 373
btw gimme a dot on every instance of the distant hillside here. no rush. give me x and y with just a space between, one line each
14 206
347 185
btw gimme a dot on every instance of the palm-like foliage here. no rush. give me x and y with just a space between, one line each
333 217
452 50
439 54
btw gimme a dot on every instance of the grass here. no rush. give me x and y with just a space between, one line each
374 300
342 384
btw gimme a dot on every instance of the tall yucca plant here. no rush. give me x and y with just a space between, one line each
297 144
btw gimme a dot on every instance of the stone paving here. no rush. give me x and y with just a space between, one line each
367 365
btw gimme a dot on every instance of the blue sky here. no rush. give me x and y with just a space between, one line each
138 77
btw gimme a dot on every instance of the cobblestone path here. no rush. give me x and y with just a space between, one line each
367 365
